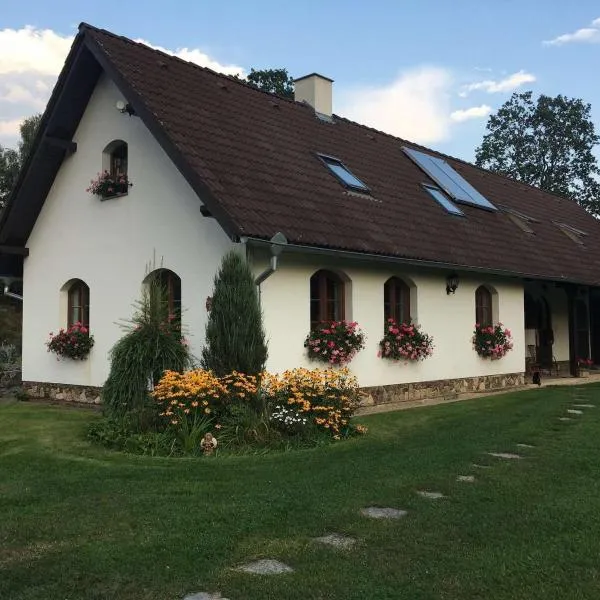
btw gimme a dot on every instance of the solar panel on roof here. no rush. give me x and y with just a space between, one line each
441 199
448 179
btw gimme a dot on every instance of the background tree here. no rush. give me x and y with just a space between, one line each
235 338
11 160
276 81
547 143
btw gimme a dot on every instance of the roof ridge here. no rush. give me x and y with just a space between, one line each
234 79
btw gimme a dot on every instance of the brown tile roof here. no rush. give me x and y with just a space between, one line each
255 153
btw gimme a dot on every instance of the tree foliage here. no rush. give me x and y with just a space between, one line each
275 81
11 160
235 338
547 143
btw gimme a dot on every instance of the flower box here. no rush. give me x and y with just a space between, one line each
74 343
109 186
492 341
334 342
405 341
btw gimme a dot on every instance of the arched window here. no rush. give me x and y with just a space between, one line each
396 300
483 306
170 285
78 310
326 297
115 158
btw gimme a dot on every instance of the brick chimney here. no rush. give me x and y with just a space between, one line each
316 90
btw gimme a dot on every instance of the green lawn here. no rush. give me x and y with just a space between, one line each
78 522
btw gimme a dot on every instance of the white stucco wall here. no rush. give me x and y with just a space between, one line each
448 318
109 244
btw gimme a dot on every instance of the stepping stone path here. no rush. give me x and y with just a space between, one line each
375 512
584 405
204 596
466 478
507 455
565 419
266 566
481 466
337 540
525 446
574 411
431 495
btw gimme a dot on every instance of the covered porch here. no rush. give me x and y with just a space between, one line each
562 329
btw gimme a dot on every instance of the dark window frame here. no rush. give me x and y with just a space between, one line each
396 300
171 283
118 158
327 297
78 296
327 159
484 306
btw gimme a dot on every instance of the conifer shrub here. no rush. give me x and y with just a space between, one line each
235 337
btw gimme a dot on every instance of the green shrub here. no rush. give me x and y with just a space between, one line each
151 345
235 338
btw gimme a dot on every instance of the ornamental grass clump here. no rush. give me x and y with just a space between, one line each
335 342
74 343
151 345
106 185
405 341
492 341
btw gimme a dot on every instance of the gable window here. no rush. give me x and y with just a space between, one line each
396 300
326 297
78 304
483 306
170 286
117 151
343 174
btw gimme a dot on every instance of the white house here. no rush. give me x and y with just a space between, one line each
369 226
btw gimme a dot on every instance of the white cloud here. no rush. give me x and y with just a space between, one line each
416 105
198 57
589 35
30 61
475 112
491 86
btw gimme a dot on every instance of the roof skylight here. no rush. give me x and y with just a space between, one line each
343 173
448 179
442 199
521 220
575 234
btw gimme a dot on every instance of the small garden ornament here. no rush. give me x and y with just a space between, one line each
208 444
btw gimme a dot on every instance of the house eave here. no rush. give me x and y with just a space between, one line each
410 262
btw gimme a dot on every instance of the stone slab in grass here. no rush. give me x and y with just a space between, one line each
565 419
266 566
377 512
584 405
478 466
337 541
430 495
525 446
204 596
506 455
574 411
466 478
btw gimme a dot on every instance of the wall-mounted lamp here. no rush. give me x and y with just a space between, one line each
451 283
123 107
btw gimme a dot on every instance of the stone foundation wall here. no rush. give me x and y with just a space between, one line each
62 392
443 389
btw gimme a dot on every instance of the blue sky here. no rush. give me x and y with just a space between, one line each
430 70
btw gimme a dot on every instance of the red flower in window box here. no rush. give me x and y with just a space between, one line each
106 185
74 342
334 342
405 341
585 362
492 341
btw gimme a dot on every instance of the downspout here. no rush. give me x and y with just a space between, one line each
278 241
